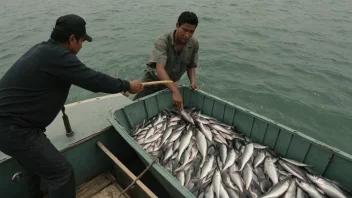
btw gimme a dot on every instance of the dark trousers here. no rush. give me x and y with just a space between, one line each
34 151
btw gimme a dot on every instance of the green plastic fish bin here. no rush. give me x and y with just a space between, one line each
325 160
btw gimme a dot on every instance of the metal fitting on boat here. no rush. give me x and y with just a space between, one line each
17 177
69 132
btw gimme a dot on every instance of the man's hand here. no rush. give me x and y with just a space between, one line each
135 86
177 99
194 86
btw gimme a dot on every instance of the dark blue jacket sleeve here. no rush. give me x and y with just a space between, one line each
70 69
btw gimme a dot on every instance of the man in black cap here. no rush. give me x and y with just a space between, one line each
32 93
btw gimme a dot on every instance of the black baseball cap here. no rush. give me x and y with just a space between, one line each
72 23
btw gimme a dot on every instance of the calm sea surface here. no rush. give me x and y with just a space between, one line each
289 60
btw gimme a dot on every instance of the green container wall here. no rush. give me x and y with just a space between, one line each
326 161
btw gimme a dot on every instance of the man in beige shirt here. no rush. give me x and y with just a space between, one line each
173 54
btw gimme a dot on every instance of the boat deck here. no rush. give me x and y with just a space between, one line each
86 118
101 186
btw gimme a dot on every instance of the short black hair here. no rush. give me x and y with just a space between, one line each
61 35
187 17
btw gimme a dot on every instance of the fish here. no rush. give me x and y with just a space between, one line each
247 154
293 170
209 192
291 191
259 159
230 159
207 133
223 153
310 189
207 167
217 183
300 193
185 140
237 179
259 146
181 177
212 159
294 162
227 181
278 189
202 146
232 193
247 175
270 169
223 192
186 117
329 188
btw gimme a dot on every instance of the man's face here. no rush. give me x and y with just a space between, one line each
184 32
74 45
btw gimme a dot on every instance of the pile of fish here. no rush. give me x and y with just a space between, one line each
212 159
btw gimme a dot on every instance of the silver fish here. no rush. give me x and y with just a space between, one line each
194 152
227 181
271 170
186 157
294 162
205 130
232 193
234 168
278 189
185 140
160 125
188 175
259 159
181 177
247 175
180 127
259 146
176 118
209 193
223 192
174 155
207 167
201 195
310 189
176 145
168 154
329 188
230 159
153 138
202 146
301 193
203 121
294 170
237 179
291 191
216 183
218 138
150 132
186 117
213 159
219 163
223 153
166 135
220 128
175 135
247 154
